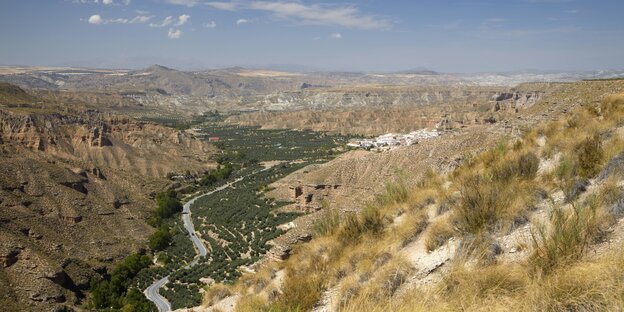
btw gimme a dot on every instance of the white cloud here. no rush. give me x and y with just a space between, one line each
166 22
139 19
226 6
346 16
242 21
105 2
183 19
336 36
169 20
314 14
95 19
188 3
210 24
174 34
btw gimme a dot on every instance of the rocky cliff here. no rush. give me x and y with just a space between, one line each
377 110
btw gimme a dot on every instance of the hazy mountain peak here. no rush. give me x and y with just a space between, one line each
157 67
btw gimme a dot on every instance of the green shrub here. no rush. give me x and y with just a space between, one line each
160 239
168 204
110 293
217 175
135 301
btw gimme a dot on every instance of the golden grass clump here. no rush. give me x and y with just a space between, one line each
411 227
566 237
464 285
594 285
216 293
356 293
252 303
589 156
438 234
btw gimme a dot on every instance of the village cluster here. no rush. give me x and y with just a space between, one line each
390 141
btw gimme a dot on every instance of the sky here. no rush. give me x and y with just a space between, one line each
368 35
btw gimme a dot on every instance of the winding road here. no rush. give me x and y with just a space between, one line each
152 292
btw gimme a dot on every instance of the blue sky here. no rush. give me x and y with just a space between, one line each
367 35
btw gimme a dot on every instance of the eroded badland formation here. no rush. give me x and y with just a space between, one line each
518 200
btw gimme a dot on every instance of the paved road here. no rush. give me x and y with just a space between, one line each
151 292
188 223
153 295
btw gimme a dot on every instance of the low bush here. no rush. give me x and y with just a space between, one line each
251 303
167 204
350 229
114 293
160 239
594 285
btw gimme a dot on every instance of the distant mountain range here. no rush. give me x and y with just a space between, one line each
236 82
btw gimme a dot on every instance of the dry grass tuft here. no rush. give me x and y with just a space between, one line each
252 304
482 204
566 237
438 234
585 286
413 225
590 156
216 293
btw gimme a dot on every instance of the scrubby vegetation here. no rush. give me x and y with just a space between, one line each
552 184
160 239
182 123
167 205
116 292
121 290
223 171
